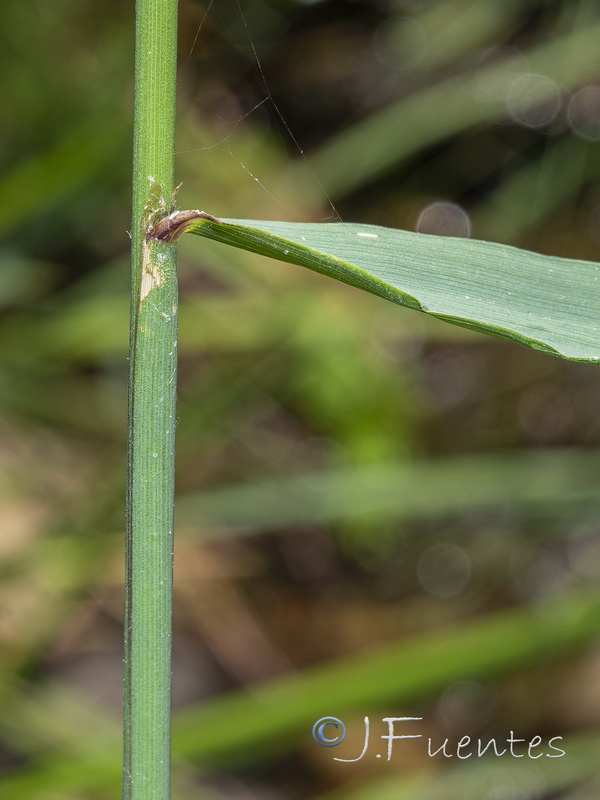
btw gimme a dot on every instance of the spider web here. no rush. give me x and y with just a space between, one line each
284 130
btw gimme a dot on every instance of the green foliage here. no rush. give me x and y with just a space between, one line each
329 444
280 713
549 304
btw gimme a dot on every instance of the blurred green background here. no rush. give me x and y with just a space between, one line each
378 514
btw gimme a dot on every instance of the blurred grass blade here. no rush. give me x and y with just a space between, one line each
403 673
539 188
45 180
400 491
377 144
543 302
451 29
236 727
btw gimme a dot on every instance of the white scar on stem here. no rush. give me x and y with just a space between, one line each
151 273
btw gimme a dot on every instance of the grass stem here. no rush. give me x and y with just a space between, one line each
152 397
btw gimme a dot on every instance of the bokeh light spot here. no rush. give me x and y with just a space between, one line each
533 100
444 570
444 219
584 113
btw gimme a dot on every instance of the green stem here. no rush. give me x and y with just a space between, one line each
151 432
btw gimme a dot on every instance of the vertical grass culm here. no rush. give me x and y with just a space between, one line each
151 429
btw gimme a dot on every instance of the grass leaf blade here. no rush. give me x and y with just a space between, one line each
544 302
